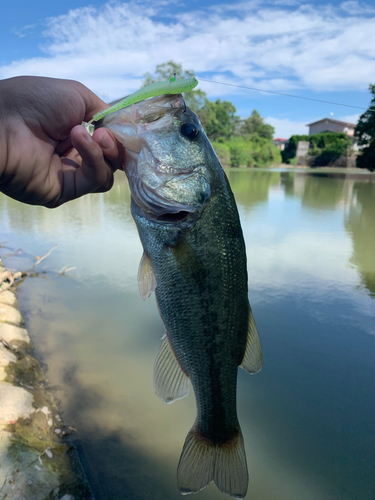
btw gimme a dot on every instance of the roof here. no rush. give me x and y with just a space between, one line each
332 121
280 139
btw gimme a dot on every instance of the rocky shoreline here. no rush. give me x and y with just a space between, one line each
37 460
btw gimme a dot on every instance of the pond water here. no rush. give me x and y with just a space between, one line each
307 417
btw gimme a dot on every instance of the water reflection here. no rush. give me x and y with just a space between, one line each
307 418
359 222
251 189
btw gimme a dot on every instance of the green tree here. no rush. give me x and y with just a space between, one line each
195 99
218 119
255 125
365 131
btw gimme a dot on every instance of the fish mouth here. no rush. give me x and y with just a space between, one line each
174 198
174 217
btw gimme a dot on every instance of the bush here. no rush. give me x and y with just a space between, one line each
327 146
223 153
254 151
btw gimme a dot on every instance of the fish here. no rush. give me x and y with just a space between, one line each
194 260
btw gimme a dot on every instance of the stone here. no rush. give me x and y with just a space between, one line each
8 297
15 402
11 332
6 356
3 373
10 314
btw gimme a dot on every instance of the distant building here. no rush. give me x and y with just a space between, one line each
281 144
330 125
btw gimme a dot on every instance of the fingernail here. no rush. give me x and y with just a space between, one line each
87 136
106 141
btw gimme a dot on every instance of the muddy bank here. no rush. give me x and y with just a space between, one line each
37 461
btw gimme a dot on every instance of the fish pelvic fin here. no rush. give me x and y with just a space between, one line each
170 382
146 277
203 461
253 359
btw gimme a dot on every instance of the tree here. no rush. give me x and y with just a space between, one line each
218 119
195 99
255 125
365 131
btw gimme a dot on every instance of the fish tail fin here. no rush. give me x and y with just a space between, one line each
203 461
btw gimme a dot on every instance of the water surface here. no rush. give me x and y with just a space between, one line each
307 418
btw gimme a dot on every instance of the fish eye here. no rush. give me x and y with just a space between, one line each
189 130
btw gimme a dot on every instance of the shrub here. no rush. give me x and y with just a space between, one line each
223 153
327 146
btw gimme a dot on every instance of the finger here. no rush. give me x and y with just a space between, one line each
94 174
73 155
63 146
112 149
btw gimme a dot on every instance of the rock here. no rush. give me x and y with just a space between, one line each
3 374
8 297
15 402
10 314
6 356
11 332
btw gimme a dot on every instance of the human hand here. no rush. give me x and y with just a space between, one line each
46 157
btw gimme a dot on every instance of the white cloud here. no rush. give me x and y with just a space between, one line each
285 128
348 118
355 8
275 47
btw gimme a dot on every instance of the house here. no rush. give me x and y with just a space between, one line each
331 125
280 143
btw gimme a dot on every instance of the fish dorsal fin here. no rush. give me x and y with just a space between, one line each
146 277
253 360
170 382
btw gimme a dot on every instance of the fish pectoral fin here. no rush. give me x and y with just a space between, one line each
146 277
189 264
170 382
253 359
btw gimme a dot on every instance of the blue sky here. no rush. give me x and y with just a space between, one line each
319 50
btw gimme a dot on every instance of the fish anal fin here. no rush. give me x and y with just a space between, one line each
146 277
170 382
202 462
253 359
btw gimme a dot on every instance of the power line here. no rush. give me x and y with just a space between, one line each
286 95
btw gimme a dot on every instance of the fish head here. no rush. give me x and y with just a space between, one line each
166 155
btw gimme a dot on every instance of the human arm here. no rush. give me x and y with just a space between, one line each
46 157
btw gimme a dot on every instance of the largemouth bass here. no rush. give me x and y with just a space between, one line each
195 261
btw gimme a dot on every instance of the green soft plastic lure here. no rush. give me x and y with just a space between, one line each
172 86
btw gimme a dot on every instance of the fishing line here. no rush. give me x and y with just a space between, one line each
287 95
